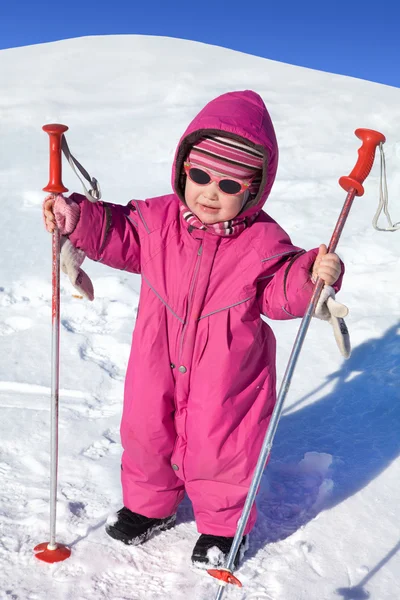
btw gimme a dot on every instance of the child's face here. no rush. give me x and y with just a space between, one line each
210 204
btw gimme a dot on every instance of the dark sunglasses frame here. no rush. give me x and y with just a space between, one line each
228 185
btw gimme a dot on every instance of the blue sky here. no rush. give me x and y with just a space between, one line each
359 38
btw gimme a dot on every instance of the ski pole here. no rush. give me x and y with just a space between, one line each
352 184
52 551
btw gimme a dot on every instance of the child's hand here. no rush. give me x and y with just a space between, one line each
60 212
48 214
326 266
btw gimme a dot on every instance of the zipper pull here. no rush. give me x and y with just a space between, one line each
200 250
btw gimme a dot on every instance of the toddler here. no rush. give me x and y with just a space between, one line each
201 381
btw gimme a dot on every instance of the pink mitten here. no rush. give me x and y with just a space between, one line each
66 213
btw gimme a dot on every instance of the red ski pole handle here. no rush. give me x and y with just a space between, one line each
55 131
366 154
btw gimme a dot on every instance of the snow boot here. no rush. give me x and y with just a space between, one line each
134 529
211 551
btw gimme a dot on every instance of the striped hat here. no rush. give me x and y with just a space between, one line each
229 157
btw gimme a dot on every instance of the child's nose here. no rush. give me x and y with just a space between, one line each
212 190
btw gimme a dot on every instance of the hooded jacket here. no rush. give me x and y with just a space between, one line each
201 381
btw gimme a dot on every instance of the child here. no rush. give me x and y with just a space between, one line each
200 383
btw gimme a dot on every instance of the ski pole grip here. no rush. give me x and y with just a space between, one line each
366 154
55 131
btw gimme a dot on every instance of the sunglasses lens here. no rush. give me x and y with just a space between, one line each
228 186
199 176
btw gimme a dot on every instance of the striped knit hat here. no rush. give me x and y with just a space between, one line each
229 157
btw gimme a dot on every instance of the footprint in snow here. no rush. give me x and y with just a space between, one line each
15 324
102 447
295 494
4 469
86 352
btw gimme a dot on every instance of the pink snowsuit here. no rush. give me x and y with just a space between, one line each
200 383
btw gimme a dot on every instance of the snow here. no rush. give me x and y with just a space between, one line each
328 503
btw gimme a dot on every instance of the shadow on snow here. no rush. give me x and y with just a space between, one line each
355 427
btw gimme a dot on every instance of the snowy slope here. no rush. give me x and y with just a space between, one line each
328 522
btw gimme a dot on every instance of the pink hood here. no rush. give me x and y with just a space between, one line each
240 115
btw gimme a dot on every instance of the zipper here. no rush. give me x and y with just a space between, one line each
190 297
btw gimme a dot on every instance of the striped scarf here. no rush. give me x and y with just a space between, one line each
224 228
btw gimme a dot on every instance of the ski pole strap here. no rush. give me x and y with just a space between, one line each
383 198
94 193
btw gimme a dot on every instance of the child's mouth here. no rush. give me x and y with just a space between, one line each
208 209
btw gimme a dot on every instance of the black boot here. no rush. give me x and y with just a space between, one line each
134 529
211 551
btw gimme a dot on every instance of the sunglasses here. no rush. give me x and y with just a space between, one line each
227 185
